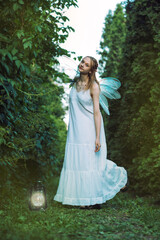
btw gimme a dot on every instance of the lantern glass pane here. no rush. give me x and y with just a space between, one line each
38 199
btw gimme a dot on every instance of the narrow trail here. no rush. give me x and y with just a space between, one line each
123 217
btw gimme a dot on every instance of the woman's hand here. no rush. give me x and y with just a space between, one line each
97 145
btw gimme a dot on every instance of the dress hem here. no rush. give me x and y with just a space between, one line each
91 201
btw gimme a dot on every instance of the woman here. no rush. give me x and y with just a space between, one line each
87 177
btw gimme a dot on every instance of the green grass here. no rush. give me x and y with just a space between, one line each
124 217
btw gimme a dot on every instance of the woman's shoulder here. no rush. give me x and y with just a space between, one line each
95 87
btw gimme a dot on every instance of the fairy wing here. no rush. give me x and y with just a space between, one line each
68 66
108 88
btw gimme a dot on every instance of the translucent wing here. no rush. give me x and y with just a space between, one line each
68 66
108 88
104 103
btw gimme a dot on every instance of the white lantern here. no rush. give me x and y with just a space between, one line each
37 198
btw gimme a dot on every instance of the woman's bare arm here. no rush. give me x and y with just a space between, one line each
97 117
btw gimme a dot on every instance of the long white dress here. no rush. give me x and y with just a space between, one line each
87 178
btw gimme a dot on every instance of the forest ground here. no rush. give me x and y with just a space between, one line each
124 217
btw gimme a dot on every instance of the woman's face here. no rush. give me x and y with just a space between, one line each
85 65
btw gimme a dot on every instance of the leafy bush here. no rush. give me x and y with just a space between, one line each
32 135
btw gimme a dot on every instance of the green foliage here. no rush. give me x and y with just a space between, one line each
134 128
113 38
124 217
111 53
32 131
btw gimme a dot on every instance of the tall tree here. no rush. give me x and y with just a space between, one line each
111 53
113 38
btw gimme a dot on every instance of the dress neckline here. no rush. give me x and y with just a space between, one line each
74 86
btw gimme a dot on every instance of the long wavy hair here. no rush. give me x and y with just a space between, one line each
93 70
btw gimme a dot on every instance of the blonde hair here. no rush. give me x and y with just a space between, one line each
92 75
